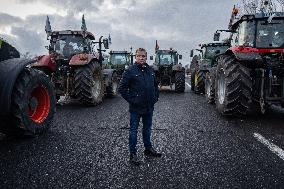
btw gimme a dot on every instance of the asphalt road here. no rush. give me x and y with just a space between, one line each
87 147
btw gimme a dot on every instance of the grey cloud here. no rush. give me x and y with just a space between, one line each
179 24
70 6
28 40
6 19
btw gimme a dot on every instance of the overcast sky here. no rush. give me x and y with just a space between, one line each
181 24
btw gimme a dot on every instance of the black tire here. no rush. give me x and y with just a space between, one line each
89 84
210 86
112 89
33 104
199 82
233 87
48 74
180 82
192 80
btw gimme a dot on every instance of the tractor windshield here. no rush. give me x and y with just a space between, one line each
270 35
167 58
118 59
67 45
212 52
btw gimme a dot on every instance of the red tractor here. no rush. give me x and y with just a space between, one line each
27 98
251 72
74 64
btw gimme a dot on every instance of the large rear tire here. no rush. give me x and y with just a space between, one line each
233 87
112 90
33 104
210 86
199 82
180 82
89 84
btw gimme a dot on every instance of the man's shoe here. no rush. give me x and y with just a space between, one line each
152 153
134 159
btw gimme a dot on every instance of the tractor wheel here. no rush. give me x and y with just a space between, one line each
192 80
33 104
199 82
210 86
48 73
180 82
112 89
89 84
233 87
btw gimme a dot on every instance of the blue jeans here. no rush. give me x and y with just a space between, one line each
146 132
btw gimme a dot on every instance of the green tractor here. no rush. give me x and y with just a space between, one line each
168 71
119 60
202 64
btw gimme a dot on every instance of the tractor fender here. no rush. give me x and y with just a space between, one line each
9 71
82 59
108 76
244 54
46 61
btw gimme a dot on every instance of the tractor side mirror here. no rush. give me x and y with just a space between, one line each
180 56
151 58
106 44
50 47
216 36
191 53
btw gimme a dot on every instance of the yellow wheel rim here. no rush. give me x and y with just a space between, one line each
195 79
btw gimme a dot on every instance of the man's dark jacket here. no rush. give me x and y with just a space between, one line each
139 88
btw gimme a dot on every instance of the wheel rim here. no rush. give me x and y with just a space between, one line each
195 79
96 88
39 104
221 87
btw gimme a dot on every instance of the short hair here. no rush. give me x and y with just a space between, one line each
141 50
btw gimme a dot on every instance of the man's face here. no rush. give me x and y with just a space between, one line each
141 57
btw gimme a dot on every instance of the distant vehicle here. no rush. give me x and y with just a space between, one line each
201 65
120 60
27 98
168 71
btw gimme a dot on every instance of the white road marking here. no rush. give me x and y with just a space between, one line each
275 149
188 84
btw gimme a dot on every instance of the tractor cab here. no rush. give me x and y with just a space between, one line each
120 58
166 57
69 43
120 61
262 31
211 50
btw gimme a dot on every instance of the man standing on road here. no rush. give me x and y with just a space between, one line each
140 89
